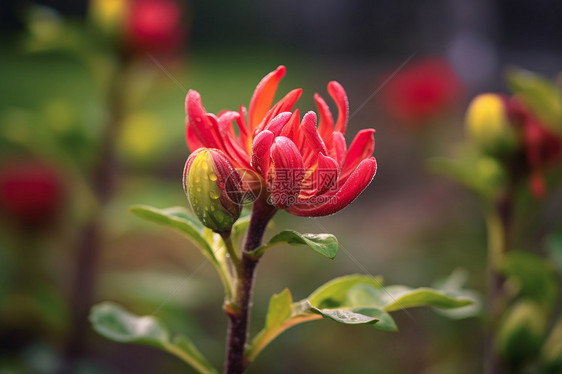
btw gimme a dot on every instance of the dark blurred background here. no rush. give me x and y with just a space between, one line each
92 121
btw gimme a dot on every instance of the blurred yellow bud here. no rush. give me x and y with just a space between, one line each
141 136
488 125
108 15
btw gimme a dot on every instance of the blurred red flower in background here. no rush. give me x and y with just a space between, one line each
155 26
542 147
31 193
422 92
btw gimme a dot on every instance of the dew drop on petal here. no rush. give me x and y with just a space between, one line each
213 177
214 195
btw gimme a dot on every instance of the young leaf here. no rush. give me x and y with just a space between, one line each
401 297
115 323
551 353
335 292
385 323
280 308
521 331
554 248
541 95
325 244
281 315
454 284
532 274
365 291
178 219
481 174
345 316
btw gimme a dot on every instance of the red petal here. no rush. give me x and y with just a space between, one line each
204 129
338 94
289 129
288 172
191 139
361 147
314 144
326 125
225 121
277 123
355 184
323 179
263 97
261 152
284 105
340 148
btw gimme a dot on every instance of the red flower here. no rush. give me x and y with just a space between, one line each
155 26
422 92
30 193
543 148
308 171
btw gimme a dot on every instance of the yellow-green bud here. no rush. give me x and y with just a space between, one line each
522 331
213 188
488 125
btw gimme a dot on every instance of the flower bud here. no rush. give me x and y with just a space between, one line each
213 188
488 125
522 331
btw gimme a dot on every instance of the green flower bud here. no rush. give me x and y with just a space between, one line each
488 125
213 188
522 332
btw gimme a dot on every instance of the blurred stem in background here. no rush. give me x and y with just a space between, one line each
103 185
498 219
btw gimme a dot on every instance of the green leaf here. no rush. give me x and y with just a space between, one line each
325 244
280 308
281 315
240 227
385 323
117 324
454 284
532 275
541 95
551 353
365 291
483 175
351 299
401 297
180 220
345 316
554 248
335 292
521 331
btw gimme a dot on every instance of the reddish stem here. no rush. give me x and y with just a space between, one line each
239 315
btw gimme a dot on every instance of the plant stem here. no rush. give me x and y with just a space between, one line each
239 315
498 222
103 178
226 238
